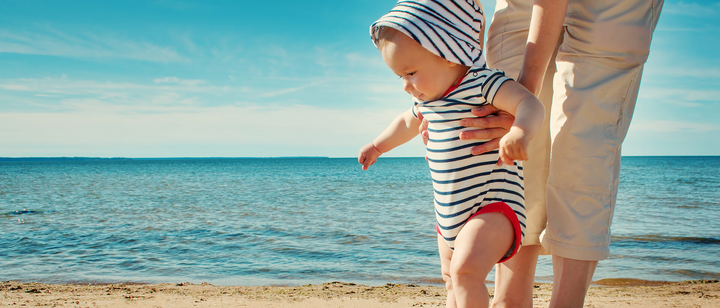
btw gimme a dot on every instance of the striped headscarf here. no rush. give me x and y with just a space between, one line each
448 28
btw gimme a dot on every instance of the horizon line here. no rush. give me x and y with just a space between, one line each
30 158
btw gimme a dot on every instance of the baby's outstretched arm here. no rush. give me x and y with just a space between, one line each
401 130
529 115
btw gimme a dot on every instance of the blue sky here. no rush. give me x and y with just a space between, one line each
273 78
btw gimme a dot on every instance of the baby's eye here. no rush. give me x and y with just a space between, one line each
408 74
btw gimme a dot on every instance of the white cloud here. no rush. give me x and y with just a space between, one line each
686 97
14 87
661 126
52 42
277 51
104 118
64 85
166 80
692 72
386 88
692 9
357 59
275 93
111 91
236 126
175 80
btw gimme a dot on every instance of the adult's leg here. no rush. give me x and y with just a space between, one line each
599 66
515 277
507 38
571 279
445 257
481 243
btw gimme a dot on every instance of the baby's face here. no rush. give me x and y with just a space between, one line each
425 75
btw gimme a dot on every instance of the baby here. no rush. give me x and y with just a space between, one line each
433 46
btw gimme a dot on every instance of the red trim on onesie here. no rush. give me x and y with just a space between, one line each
501 207
454 86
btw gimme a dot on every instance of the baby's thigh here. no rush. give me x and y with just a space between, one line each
482 242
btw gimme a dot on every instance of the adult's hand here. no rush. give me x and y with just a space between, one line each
492 124
423 128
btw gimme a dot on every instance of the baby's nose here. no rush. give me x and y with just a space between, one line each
407 86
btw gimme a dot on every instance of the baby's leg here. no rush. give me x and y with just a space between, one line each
481 243
445 257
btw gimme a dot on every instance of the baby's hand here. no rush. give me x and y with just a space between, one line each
513 146
368 155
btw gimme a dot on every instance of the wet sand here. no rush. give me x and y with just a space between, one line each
605 293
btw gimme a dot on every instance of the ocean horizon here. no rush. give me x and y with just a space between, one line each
20 158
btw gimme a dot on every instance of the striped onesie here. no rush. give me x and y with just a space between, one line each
465 185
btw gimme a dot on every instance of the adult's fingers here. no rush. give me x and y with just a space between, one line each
484 110
483 134
423 128
486 147
501 120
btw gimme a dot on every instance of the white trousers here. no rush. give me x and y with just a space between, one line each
589 93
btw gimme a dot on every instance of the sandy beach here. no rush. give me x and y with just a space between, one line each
605 293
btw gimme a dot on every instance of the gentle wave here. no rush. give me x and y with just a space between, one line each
22 212
693 273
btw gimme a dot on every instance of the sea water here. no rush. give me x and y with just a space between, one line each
295 221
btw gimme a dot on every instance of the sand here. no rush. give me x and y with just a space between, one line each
606 293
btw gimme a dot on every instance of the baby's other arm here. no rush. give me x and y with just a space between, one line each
401 130
529 115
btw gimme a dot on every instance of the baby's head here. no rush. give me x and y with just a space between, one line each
430 44
425 75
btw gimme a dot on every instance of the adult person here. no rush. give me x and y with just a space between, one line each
584 60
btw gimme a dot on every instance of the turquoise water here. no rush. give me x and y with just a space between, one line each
294 221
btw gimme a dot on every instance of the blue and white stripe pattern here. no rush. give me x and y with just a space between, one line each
464 183
449 29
